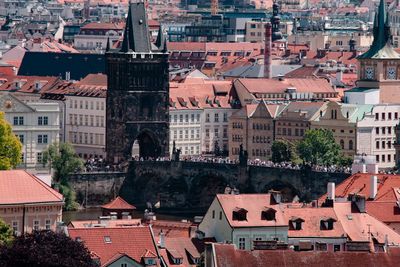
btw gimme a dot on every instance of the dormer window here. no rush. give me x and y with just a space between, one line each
239 214
268 214
327 223
295 223
107 239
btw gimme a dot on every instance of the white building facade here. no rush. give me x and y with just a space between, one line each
36 124
376 136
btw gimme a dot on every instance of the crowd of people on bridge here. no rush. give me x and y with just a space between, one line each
99 165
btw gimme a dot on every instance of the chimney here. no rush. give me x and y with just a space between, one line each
276 195
359 201
267 52
339 75
373 186
331 191
162 240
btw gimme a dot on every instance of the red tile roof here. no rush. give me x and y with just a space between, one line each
19 186
228 256
277 86
132 241
27 83
180 248
118 204
310 226
111 223
171 229
254 204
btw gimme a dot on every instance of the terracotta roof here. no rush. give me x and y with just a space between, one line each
173 229
310 227
254 204
228 256
111 223
277 86
27 84
132 241
118 204
94 79
359 225
180 248
360 183
19 186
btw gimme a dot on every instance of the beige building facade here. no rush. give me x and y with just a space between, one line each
255 30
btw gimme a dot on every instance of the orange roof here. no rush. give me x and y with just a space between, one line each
180 248
27 83
310 226
107 242
277 86
254 204
360 225
111 223
227 255
19 187
171 229
118 204
94 79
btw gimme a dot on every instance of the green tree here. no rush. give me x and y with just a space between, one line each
318 146
282 150
346 161
10 146
61 157
6 233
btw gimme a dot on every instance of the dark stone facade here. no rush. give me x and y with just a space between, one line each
137 94
191 186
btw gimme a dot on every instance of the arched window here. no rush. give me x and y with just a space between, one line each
342 143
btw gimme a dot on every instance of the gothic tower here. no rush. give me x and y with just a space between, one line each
276 22
138 92
379 67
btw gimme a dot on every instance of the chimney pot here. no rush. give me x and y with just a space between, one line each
331 191
373 187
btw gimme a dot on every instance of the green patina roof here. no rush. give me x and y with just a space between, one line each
360 89
380 47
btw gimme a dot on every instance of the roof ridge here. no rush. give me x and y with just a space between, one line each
46 186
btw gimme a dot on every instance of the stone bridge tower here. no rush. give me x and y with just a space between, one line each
138 92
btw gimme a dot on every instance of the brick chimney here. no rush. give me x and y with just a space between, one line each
267 52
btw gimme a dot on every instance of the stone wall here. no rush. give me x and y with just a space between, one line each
192 186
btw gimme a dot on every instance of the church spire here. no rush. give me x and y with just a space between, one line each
136 34
380 47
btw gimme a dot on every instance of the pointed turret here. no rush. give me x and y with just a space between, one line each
136 34
160 38
380 47
108 44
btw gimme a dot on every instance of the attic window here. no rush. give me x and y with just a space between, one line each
327 224
295 223
107 239
239 214
268 214
78 239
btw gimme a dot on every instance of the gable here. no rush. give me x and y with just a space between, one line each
261 111
124 259
9 103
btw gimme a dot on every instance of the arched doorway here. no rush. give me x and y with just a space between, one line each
146 145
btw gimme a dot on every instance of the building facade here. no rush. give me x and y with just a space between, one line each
36 124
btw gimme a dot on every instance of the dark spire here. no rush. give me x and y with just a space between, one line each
136 34
380 47
275 22
160 38
108 44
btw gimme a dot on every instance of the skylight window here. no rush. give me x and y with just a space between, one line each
108 239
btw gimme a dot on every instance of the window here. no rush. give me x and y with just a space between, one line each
342 143
40 120
225 117
18 120
86 105
42 139
14 226
225 134
377 130
268 214
48 224
207 117
45 120
376 116
383 144
377 144
377 158
107 239
36 225
181 118
242 243
389 115
39 157
389 130
389 157
351 144
239 214
213 214
220 215
207 132
216 118
396 115
21 138
81 104
216 133
383 158
383 130
126 265
187 118
383 116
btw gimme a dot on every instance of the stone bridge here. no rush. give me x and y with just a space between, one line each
191 186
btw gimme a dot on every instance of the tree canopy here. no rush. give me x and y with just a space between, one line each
318 146
62 159
45 248
10 146
6 233
282 150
